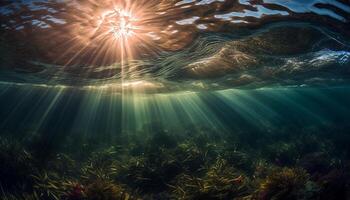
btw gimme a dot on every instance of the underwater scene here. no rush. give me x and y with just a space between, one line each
174 99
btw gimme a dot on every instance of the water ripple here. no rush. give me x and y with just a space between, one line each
179 45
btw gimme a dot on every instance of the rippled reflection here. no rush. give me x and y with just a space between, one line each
174 45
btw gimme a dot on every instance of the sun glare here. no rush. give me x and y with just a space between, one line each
121 24
111 31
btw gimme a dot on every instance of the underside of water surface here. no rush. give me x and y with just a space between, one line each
171 99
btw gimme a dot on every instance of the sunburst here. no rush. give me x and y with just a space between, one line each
121 24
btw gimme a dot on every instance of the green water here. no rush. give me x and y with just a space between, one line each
174 100
283 143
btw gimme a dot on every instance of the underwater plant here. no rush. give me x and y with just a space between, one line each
76 192
316 163
150 172
16 165
102 164
220 181
284 184
238 159
195 168
105 190
63 164
283 153
50 185
191 157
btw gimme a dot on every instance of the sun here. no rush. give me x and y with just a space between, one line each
121 24
104 32
113 31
